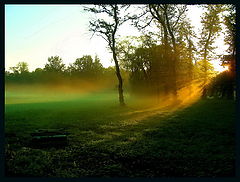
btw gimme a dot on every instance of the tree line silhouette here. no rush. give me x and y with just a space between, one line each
54 70
156 63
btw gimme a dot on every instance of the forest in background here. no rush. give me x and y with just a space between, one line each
156 63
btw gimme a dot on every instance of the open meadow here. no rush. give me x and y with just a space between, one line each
104 139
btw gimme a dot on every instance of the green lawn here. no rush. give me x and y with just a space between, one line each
108 141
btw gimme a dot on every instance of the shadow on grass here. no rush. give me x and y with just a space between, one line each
193 142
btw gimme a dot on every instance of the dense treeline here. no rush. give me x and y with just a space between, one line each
55 71
150 67
158 62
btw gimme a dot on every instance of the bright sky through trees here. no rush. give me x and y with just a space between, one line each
35 32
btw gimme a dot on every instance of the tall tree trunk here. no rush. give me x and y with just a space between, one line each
166 57
120 81
190 67
204 89
113 47
174 61
204 92
175 57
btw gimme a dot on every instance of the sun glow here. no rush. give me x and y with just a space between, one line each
217 67
221 68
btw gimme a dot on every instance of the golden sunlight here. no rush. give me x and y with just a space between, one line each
218 67
221 69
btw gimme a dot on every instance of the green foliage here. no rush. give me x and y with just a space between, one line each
20 73
86 67
175 61
38 70
222 86
55 64
137 60
230 23
150 64
211 27
56 71
20 68
202 65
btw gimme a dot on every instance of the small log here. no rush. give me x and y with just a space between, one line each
49 132
45 138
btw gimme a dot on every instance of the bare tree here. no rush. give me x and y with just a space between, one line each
107 29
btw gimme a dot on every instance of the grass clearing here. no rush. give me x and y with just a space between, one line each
108 141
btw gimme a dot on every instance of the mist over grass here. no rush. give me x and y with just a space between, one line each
53 91
147 138
152 136
74 89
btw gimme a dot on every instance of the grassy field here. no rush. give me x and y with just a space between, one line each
194 140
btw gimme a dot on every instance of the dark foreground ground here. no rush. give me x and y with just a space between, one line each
198 141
